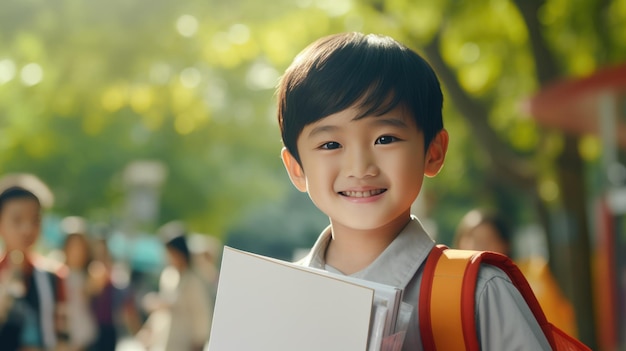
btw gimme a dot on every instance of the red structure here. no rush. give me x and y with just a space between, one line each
574 105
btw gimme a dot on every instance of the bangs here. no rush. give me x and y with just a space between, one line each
377 101
366 75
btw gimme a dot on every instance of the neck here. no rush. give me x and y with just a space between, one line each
16 259
352 250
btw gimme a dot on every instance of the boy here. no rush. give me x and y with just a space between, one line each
360 118
35 289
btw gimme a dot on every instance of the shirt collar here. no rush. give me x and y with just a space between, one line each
395 266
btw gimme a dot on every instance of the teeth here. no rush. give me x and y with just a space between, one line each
363 193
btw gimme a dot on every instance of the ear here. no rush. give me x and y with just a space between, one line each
436 154
295 171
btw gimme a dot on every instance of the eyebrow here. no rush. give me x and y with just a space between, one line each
390 121
322 129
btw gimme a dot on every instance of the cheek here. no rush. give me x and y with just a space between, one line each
36 230
320 171
2 229
7 230
408 170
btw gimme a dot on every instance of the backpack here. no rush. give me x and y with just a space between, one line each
447 301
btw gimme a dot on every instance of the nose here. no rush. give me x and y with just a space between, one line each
360 163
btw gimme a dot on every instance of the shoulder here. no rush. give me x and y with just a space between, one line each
496 293
489 272
493 279
194 280
501 306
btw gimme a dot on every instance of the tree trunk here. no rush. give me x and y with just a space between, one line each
575 257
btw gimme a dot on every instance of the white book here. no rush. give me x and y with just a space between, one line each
265 304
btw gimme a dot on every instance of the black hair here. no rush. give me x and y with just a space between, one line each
16 192
179 244
339 70
173 235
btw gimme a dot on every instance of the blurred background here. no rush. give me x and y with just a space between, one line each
138 112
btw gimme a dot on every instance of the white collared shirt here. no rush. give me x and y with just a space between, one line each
503 319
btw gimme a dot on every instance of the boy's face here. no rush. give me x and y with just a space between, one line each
364 173
20 224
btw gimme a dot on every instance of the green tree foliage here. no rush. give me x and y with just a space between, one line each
86 87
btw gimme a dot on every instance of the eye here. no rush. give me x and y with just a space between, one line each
386 139
331 145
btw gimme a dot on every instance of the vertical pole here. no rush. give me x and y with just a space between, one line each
608 133
607 291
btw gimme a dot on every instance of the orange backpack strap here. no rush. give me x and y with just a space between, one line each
442 313
447 298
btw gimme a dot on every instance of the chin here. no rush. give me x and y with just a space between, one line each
361 224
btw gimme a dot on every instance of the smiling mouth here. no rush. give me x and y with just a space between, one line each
367 193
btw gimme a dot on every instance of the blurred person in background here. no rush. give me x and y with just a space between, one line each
32 287
111 303
205 253
17 317
140 285
77 252
485 230
183 308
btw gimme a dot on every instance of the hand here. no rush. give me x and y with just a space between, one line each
152 301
